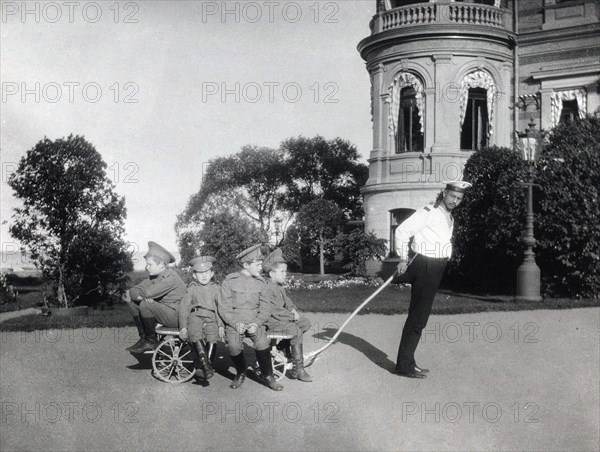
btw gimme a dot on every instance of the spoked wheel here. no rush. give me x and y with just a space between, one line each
280 364
173 361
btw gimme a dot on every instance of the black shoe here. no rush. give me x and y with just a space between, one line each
412 374
421 370
238 380
270 381
137 345
239 361
146 345
266 369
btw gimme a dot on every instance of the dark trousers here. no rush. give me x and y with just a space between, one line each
424 275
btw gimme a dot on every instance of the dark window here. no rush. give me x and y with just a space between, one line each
569 111
410 137
398 3
397 216
481 2
474 134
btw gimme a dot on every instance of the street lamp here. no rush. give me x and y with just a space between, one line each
528 274
277 224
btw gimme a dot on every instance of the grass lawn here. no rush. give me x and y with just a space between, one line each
392 300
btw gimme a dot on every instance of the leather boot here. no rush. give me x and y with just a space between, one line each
240 368
149 342
298 371
202 364
266 369
284 346
138 323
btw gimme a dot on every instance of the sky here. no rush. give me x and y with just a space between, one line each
160 88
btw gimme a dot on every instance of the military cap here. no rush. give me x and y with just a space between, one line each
458 186
202 263
251 254
155 250
275 257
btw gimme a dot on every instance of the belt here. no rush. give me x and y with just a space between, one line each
198 308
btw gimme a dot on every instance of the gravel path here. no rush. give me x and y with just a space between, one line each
499 381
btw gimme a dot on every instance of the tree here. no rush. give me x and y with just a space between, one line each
224 236
568 209
71 219
254 178
327 169
317 223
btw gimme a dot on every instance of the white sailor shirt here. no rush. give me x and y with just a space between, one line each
431 230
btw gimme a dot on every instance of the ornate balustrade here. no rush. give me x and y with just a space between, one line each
439 13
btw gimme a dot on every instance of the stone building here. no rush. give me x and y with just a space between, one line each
451 77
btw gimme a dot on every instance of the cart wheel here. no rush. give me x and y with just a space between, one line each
280 364
173 361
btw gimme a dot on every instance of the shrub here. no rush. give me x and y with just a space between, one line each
357 247
489 222
568 209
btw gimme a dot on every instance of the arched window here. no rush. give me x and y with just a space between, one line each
474 133
410 135
397 216
405 116
477 105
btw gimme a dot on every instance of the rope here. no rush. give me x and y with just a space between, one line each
310 358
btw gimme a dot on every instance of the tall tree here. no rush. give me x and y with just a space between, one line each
71 219
327 169
254 177
317 223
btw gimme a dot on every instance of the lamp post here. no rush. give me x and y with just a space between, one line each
528 274
277 224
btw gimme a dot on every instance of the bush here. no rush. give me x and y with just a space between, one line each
357 247
7 292
568 210
489 222
491 219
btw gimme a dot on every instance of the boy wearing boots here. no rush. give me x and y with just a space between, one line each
244 315
156 299
198 317
284 316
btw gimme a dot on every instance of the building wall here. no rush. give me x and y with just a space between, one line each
548 46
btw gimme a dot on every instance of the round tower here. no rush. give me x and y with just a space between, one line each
441 76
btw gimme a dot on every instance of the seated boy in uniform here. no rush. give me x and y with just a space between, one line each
239 307
284 316
198 317
155 299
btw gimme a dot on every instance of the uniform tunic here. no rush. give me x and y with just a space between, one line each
431 231
166 289
240 302
281 318
204 322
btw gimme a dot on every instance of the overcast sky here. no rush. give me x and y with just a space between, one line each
160 88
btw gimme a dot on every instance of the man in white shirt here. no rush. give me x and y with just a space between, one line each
430 229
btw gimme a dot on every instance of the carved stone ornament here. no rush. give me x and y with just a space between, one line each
556 102
403 80
478 79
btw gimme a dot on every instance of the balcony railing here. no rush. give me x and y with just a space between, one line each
440 13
